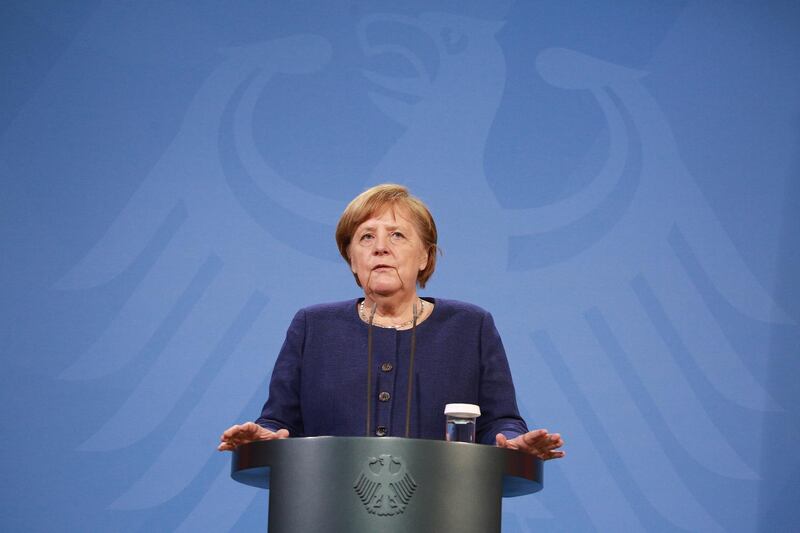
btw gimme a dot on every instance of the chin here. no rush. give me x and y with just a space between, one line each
385 289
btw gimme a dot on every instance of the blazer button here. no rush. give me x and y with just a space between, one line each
380 431
384 396
387 367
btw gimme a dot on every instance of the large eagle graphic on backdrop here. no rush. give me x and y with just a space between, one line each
598 295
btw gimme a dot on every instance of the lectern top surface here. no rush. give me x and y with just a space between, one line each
327 458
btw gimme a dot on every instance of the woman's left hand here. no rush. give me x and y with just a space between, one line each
539 442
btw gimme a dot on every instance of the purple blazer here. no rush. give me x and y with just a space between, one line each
319 382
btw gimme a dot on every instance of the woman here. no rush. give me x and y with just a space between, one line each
452 351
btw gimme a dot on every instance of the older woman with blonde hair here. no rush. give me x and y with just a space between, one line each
387 363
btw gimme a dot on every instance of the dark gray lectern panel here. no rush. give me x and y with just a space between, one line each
358 484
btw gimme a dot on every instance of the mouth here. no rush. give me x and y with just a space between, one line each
382 267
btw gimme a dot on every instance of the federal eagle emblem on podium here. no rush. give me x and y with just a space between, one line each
385 486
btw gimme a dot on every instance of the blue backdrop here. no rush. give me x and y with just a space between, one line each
617 182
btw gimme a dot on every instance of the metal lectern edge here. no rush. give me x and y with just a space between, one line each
251 463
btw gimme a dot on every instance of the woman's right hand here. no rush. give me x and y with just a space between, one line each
247 432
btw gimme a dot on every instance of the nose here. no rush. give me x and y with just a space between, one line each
381 245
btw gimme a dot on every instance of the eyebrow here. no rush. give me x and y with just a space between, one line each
373 228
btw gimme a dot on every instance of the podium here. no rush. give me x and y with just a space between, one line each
385 484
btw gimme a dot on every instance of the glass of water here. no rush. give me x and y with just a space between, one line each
461 421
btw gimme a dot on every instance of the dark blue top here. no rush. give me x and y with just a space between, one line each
319 382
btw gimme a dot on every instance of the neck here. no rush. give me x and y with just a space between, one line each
394 307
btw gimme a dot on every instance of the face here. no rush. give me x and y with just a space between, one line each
387 254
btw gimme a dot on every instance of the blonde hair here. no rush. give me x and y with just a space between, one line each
373 201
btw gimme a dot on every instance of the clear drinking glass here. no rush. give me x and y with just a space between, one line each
461 421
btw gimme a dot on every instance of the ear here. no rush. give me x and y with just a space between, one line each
424 260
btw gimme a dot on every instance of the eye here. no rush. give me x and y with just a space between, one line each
396 236
366 237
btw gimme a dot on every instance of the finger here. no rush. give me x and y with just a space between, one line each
554 455
282 433
267 435
553 442
230 431
535 435
249 430
500 440
547 444
535 438
541 450
237 429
